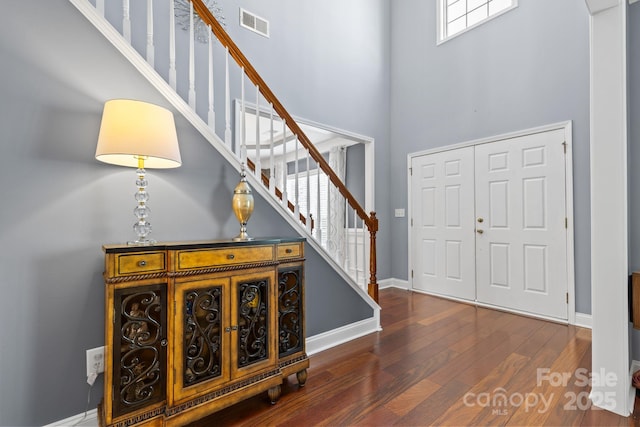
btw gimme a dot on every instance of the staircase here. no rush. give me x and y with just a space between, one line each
277 143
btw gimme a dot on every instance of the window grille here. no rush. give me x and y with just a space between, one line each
457 16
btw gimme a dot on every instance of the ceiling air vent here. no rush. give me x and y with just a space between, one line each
253 22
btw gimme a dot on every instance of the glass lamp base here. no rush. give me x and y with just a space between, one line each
145 242
142 228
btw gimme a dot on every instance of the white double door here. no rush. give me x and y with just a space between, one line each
489 223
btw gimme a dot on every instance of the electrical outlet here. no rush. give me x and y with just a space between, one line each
95 361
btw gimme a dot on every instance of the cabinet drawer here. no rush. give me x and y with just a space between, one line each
137 263
194 259
289 250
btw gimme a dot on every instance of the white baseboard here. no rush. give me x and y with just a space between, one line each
341 335
90 419
583 320
393 283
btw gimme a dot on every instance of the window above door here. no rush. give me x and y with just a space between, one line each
455 17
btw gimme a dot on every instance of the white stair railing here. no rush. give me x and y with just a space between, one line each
276 142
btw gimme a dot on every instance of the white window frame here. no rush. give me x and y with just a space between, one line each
442 24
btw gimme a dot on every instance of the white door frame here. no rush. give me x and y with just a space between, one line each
566 126
609 205
348 138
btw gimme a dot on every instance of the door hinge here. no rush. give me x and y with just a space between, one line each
412 274
564 146
567 294
412 222
411 171
566 222
114 316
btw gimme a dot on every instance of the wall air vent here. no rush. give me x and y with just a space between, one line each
253 22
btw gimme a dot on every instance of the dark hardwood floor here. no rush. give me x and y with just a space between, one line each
439 362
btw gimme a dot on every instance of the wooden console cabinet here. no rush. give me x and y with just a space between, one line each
193 327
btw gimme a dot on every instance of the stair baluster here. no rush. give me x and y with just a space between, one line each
291 132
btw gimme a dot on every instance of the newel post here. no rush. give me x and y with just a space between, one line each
373 282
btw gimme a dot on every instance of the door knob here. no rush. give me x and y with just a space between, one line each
480 219
479 231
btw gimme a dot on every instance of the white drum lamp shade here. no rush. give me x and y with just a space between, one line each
131 129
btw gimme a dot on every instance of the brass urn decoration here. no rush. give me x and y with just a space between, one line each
242 204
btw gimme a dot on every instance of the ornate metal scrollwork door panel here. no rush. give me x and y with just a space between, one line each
254 335
201 334
140 347
290 305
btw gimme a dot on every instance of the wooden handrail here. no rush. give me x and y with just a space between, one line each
235 52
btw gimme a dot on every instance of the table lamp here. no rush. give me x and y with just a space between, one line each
138 134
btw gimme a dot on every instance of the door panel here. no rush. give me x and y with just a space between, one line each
443 222
254 338
521 252
200 340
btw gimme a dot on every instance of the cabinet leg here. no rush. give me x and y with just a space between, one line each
274 394
302 377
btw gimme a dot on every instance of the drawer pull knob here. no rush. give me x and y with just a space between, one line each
227 329
142 263
289 250
234 327
164 342
231 256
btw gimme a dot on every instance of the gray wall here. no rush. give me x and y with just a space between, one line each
329 62
59 205
527 68
326 61
355 170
